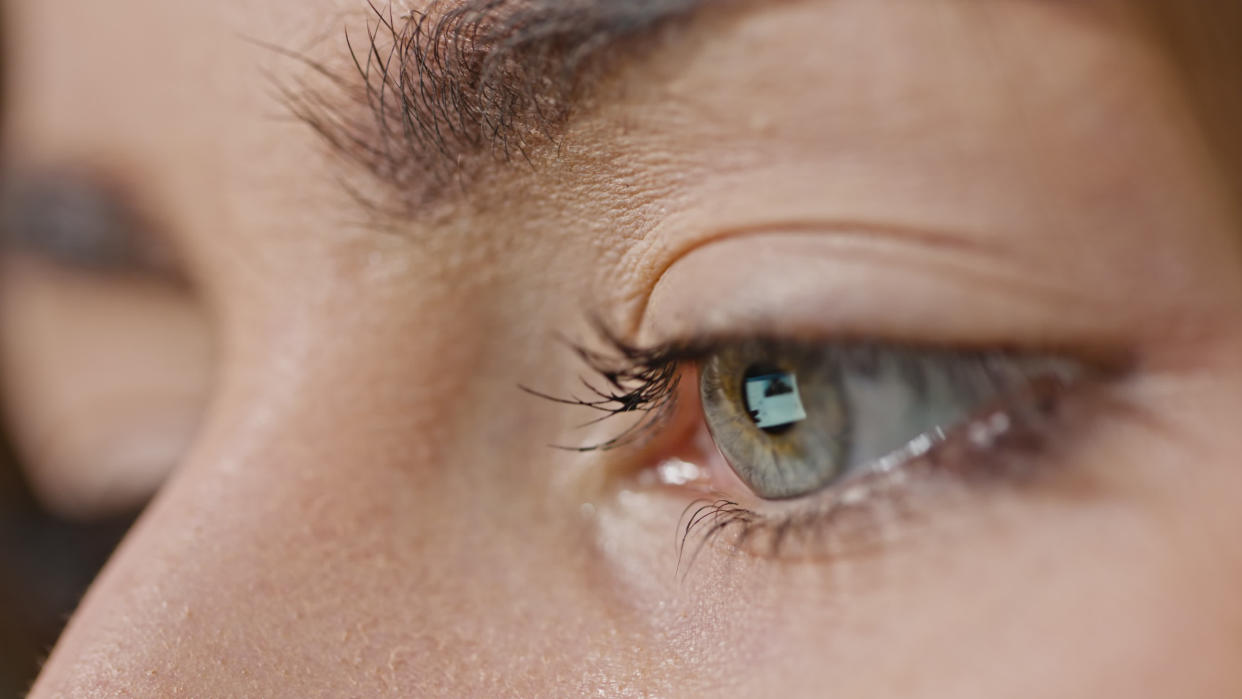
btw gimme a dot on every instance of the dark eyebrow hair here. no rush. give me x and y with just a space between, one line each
433 98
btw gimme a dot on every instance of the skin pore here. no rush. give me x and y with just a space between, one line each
369 505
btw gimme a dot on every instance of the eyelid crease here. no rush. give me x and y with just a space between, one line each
814 284
897 233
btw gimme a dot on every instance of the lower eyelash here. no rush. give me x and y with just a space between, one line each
836 529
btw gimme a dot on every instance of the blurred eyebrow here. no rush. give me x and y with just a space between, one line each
80 220
431 99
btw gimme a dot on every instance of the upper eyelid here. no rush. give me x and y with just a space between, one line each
961 301
683 246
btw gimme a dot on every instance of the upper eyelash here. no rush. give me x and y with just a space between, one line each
642 380
636 380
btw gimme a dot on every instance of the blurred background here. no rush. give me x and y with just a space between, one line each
46 563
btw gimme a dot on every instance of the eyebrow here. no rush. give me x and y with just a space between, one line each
432 99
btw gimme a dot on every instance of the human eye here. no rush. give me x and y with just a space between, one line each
792 447
792 419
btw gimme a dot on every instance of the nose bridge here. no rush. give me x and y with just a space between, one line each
275 544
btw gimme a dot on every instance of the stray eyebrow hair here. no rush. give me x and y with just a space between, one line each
434 98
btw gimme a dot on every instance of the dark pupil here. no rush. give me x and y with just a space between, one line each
769 393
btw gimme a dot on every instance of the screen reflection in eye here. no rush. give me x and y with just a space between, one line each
772 400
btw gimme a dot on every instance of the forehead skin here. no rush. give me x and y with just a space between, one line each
371 508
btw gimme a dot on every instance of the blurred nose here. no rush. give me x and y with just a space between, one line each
286 556
289 550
